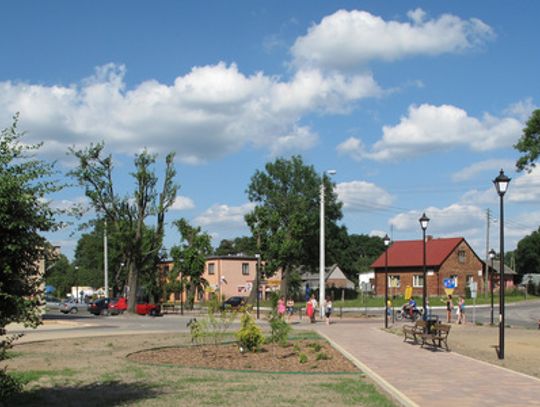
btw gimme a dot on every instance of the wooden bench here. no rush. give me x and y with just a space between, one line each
413 332
437 337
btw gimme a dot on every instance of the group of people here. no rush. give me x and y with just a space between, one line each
287 307
460 309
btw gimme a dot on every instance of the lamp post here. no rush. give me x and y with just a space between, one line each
424 220
257 271
76 283
321 247
105 260
501 185
491 257
386 241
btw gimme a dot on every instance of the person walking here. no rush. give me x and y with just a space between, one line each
328 309
461 306
281 307
290 308
449 308
312 304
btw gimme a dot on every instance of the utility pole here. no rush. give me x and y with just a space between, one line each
106 261
488 221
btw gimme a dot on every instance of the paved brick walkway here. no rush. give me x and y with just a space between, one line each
420 377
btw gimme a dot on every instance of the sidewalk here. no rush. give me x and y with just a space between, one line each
419 377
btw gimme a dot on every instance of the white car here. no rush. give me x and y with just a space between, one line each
70 306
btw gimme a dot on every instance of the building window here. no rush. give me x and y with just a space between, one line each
418 280
394 281
461 256
211 268
245 269
455 278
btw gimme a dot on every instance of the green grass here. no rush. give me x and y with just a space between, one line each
29 376
357 392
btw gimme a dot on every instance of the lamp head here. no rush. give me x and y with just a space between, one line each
501 183
424 220
491 254
386 240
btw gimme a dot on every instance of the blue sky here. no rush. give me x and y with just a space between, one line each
415 104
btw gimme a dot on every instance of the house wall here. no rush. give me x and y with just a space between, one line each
463 267
228 279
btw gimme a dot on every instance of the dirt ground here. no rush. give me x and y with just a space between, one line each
522 346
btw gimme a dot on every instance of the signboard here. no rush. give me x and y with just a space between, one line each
408 292
449 291
449 283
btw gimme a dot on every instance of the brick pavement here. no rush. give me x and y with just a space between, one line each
419 377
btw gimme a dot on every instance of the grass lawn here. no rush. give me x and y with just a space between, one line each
95 372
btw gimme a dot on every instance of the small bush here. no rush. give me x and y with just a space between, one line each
250 336
302 358
322 356
280 329
8 385
315 346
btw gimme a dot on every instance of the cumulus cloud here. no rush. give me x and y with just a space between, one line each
222 215
348 39
453 220
362 196
483 166
525 188
182 203
210 112
428 128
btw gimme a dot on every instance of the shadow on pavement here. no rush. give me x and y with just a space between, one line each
95 394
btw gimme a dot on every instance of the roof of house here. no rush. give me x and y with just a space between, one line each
328 271
507 270
410 253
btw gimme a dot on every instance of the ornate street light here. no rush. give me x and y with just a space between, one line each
321 247
501 185
491 257
386 241
424 220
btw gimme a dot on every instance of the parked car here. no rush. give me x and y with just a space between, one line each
118 306
70 306
234 303
99 307
52 303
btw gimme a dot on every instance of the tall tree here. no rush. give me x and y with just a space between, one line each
245 244
529 143
128 214
25 213
527 254
189 258
60 274
286 216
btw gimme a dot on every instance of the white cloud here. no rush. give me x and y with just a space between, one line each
525 188
454 220
428 128
348 39
182 203
224 216
362 196
522 110
483 166
353 147
210 112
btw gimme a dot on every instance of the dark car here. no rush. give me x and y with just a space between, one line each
234 303
99 307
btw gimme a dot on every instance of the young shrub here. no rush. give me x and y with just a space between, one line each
302 358
315 346
250 336
322 356
280 329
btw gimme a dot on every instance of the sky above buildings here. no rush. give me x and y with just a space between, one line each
416 105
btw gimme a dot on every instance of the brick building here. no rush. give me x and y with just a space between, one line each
446 258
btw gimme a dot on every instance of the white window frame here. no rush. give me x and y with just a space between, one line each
211 269
398 278
462 256
418 280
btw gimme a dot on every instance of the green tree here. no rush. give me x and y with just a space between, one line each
127 214
244 244
60 274
25 213
529 143
286 215
189 258
527 254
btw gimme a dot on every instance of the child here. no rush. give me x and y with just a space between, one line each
328 309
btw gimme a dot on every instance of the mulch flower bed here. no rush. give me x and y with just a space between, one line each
297 356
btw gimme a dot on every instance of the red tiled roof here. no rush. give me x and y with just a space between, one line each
410 253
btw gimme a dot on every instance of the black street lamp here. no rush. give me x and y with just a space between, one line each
386 241
257 282
491 256
424 220
501 184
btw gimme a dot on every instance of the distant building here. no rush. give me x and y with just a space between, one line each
446 258
333 277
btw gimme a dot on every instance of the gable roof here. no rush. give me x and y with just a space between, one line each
410 253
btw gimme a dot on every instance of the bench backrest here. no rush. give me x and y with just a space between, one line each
420 323
443 328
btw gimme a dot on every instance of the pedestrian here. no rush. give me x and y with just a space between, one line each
309 309
461 306
449 308
281 307
313 303
328 309
290 308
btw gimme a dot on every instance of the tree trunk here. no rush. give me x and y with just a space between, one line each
284 286
133 283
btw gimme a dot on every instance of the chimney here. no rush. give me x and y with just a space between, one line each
429 237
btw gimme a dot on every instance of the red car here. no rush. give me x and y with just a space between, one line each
120 305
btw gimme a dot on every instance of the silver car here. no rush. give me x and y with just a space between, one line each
70 306
52 303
